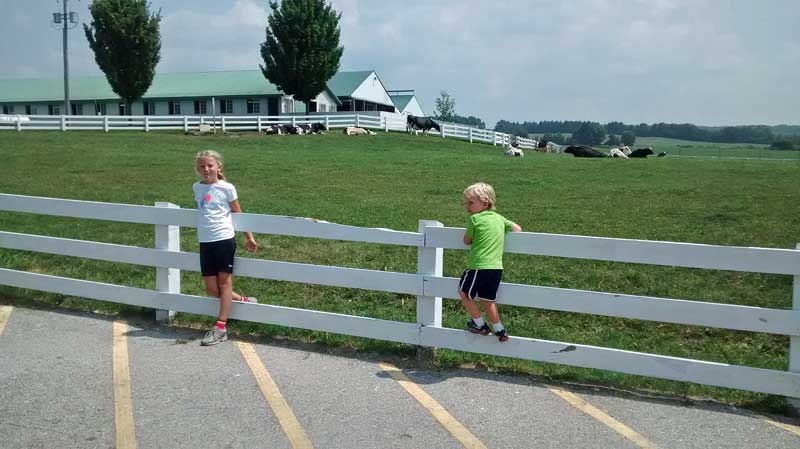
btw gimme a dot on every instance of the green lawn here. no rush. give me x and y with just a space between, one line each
393 180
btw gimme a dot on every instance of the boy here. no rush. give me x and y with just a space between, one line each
486 232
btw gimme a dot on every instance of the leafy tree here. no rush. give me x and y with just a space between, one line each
301 51
445 106
612 140
126 42
782 145
589 134
628 138
615 127
470 121
555 138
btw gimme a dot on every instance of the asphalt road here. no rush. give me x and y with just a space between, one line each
59 387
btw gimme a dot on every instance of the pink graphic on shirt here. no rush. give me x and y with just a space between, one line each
208 197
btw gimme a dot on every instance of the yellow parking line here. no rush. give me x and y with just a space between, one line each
781 425
464 436
5 313
123 408
291 426
604 418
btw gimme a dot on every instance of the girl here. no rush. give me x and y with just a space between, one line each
216 199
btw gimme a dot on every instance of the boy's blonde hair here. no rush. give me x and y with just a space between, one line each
482 192
213 154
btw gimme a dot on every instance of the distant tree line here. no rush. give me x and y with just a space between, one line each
684 131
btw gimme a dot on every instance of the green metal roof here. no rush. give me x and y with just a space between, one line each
166 85
401 101
343 84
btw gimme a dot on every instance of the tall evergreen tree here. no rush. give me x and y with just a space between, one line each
301 51
126 41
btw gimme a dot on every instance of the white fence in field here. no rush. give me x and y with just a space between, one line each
226 123
430 287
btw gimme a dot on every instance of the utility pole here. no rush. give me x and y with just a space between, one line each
69 20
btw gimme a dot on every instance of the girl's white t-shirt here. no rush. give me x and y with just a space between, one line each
214 221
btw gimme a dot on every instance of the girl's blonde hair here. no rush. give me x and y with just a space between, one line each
213 154
482 192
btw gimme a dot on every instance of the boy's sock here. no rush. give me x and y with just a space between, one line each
498 326
479 321
220 325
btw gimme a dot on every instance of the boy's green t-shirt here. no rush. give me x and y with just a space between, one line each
487 229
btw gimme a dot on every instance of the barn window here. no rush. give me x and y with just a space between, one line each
174 108
100 109
149 108
253 106
226 106
200 107
77 108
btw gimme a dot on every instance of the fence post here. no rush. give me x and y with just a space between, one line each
223 123
294 121
358 121
385 123
19 123
63 123
494 139
444 126
794 341
470 134
168 237
258 120
327 124
185 123
429 308
146 124
105 123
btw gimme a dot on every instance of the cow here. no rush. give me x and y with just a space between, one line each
616 152
641 152
354 131
318 128
414 123
581 151
513 150
274 129
662 154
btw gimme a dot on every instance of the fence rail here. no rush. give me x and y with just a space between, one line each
430 287
234 123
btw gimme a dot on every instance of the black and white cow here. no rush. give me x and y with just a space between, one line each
414 123
581 151
641 152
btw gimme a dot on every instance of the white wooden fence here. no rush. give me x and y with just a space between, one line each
430 287
230 123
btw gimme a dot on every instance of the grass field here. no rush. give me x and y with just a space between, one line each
393 180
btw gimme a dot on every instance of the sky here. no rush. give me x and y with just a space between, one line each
707 62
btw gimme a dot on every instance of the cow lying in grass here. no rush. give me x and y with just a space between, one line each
641 152
355 131
617 152
581 151
512 150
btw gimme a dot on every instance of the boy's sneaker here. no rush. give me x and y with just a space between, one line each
472 327
502 335
247 299
213 337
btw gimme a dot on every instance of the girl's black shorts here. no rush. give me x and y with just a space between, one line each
480 284
217 257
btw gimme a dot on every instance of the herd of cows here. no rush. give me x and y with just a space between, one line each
424 124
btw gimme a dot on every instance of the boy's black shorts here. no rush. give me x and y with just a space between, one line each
217 257
480 284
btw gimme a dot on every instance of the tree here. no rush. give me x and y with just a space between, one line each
445 106
612 140
126 42
589 134
470 121
555 138
628 138
301 51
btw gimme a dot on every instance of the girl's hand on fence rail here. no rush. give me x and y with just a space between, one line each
251 244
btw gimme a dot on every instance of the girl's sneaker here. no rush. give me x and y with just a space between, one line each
247 299
502 335
472 327
213 337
